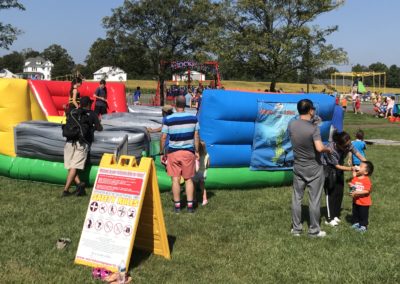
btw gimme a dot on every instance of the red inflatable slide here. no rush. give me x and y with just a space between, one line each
52 96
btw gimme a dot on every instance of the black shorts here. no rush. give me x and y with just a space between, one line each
100 110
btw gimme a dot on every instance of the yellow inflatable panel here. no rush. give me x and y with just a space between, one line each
16 106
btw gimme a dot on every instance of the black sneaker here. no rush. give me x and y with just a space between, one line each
80 189
65 193
190 209
177 209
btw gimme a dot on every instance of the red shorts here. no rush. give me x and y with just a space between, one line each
181 163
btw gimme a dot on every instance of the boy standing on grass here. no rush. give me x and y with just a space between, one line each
360 190
360 146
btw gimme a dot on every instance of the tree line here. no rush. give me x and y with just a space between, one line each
264 40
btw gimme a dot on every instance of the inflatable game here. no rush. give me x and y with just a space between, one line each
230 123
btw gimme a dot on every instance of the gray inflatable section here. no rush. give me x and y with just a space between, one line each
44 140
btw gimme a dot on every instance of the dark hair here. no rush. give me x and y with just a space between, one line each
370 167
341 138
76 80
360 134
103 82
137 88
304 106
180 102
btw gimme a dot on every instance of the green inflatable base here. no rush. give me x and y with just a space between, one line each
217 178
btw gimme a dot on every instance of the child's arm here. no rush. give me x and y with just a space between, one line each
359 193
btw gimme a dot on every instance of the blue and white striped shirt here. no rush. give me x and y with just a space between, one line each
181 126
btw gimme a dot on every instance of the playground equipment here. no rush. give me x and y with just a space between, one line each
361 75
168 67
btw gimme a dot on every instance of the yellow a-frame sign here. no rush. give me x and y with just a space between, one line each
124 211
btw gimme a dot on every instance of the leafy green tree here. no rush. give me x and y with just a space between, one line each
359 68
13 62
326 73
29 52
101 53
8 33
274 37
164 29
63 62
393 76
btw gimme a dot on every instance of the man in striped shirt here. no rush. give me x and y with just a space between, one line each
183 150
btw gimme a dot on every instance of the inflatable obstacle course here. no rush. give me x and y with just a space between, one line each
227 122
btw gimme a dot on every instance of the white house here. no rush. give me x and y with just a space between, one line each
5 73
38 66
110 73
194 75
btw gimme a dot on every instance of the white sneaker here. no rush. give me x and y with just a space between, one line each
320 234
337 220
332 223
295 233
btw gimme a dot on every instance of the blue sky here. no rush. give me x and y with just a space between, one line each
368 29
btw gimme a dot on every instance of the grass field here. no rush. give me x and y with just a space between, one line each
242 236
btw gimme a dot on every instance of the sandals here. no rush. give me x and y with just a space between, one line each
62 243
100 273
108 276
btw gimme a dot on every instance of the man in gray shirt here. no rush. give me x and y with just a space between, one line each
307 169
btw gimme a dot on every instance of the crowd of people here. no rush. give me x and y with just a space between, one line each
318 167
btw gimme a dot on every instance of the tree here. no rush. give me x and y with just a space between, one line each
164 29
29 52
273 37
393 77
326 73
359 68
13 62
8 33
63 63
101 53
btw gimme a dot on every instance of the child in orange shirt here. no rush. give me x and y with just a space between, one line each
344 103
360 190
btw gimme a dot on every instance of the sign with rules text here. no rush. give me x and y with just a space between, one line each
124 211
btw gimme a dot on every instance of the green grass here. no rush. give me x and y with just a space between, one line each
242 236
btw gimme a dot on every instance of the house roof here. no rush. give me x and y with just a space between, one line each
32 62
108 70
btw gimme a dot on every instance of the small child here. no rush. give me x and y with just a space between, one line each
358 105
360 190
344 103
360 146
201 171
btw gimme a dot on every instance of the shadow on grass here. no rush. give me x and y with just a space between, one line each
139 256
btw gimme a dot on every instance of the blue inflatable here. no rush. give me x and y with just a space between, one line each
228 125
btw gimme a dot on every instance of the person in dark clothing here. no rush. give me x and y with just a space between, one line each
334 174
100 95
76 151
74 95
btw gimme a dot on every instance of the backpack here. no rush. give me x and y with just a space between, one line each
77 126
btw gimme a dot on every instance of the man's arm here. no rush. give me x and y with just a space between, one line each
319 146
162 142
361 157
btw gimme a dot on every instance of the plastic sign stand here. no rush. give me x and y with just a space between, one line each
124 211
